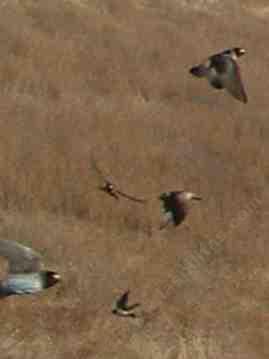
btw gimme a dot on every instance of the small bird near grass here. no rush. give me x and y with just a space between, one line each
122 308
111 189
24 273
222 71
176 206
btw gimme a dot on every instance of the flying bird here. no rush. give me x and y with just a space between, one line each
222 71
176 206
25 275
122 308
111 189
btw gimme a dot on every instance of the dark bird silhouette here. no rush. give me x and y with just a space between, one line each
122 308
222 71
176 206
111 188
24 273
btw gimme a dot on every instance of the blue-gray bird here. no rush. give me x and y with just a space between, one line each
176 206
222 71
24 273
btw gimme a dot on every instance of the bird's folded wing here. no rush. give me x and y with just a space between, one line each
21 259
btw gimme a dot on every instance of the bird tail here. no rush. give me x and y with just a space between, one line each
198 71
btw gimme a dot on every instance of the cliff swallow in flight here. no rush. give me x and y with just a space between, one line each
122 308
24 273
112 189
222 71
176 206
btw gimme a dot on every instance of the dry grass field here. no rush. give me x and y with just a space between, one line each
109 79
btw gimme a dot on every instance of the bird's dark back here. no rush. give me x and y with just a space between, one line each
173 205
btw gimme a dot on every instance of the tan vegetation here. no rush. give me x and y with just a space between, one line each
110 78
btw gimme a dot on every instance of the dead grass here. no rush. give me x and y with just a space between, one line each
110 78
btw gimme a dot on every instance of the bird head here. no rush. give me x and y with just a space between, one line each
190 195
107 187
239 51
235 52
52 278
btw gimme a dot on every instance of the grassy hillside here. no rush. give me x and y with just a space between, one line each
109 79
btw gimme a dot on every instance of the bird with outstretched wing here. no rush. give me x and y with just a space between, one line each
122 308
110 188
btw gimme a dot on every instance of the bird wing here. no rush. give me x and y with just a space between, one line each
108 182
132 198
21 259
131 307
114 193
123 300
100 173
165 199
231 77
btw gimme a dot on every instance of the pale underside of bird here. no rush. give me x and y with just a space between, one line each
25 274
122 308
111 189
176 206
222 71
